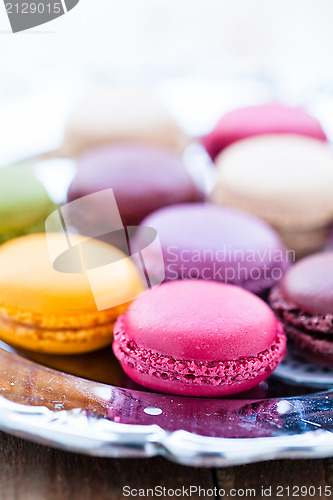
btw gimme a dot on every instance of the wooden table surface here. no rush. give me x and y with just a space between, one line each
32 472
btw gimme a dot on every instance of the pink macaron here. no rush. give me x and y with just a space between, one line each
199 338
251 121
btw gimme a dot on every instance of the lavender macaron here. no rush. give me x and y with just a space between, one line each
205 241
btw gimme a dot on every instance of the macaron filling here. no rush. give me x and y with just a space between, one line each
191 372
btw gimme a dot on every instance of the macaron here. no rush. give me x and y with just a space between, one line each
210 242
304 302
251 121
286 180
198 338
112 114
24 202
143 179
54 308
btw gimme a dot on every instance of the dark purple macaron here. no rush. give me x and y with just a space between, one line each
143 178
210 242
304 302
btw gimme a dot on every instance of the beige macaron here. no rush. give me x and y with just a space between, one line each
286 180
111 114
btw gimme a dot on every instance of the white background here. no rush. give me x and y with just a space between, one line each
286 32
43 70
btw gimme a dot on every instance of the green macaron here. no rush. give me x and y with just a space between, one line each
24 202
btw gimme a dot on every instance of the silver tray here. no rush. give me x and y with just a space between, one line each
86 404
76 414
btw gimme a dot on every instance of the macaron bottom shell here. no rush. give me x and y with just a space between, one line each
73 341
189 378
311 346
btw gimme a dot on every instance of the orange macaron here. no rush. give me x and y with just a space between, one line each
63 306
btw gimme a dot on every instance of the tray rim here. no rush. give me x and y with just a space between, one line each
76 431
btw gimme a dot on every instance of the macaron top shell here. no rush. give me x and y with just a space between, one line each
202 321
29 283
23 199
309 284
287 178
207 227
257 120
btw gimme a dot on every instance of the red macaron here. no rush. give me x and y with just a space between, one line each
199 338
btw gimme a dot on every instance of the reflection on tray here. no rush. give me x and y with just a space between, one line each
35 385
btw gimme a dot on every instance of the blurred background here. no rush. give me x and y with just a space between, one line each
201 57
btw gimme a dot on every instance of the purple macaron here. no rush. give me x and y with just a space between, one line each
205 241
304 302
143 179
